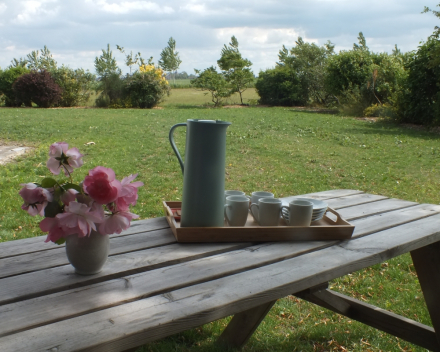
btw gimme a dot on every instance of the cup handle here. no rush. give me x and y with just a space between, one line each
256 217
226 214
282 214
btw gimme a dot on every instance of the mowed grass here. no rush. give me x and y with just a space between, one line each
187 97
281 150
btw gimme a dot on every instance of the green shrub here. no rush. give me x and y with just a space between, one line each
7 79
213 82
103 101
280 86
75 84
38 87
377 110
111 87
359 78
145 89
419 100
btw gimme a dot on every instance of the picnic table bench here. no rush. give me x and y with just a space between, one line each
153 287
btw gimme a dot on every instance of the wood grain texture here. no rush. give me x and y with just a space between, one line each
378 207
356 199
159 316
19 264
35 244
378 318
169 277
243 325
427 263
48 281
50 308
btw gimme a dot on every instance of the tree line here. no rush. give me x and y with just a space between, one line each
402 86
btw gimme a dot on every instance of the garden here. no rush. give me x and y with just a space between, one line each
316 121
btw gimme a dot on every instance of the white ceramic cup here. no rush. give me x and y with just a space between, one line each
260 194
234 193
236 210
267 211
300 213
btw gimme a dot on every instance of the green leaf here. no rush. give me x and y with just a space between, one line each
48 182
72 186
52 209
61 241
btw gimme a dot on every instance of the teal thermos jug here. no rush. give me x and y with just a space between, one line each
203 172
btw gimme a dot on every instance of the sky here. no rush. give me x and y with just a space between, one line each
75 31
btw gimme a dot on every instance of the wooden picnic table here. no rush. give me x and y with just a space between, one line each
153 287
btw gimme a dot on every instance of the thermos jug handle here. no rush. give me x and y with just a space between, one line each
173 145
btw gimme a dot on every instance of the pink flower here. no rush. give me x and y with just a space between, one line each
61 156
102 185
116 222
80 218
128 194
68 196
53 226
35 198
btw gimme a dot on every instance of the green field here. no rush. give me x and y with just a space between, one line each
282 150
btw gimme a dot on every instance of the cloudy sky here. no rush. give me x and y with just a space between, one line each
75 31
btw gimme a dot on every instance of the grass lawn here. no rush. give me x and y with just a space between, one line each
281 150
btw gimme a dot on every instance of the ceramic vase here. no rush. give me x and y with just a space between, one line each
87 254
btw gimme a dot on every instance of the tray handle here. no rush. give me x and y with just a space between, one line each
334 212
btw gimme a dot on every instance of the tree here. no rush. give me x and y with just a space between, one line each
18 62
169 58
129 59
309 61
7 79
41 60
109 76
235 69
213 82
106 64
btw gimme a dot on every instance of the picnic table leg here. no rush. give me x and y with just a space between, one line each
427 263
243 325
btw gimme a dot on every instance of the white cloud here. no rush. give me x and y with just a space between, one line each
34 11
125 7
76 30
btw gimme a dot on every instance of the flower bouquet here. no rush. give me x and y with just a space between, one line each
99 203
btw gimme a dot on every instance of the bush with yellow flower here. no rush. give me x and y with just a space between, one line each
146 87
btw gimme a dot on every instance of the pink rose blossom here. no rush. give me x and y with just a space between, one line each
102 185
62 157
128 195
68 196
80 219
116 222
53 226
35 198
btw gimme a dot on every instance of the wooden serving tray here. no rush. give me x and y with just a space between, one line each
324 229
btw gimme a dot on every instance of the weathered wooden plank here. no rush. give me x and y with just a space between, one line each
406 329
427 263
31 285
380 222
335 193
159 316
349 201
48 259
243 325
249 258
34 244
25 314
380 206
